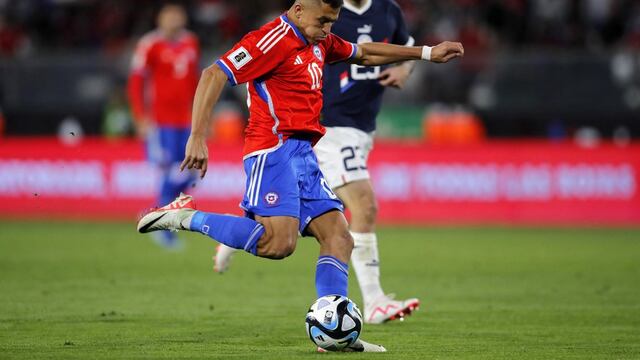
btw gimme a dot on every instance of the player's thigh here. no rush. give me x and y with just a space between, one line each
342 154
280 237
332 232
272 197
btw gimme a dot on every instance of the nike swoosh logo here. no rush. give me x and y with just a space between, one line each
146 227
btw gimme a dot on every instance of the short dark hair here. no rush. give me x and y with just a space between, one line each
172 3
333 3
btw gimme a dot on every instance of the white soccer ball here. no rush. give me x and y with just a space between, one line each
334 322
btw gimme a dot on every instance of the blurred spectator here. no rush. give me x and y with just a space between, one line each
13 40
110 24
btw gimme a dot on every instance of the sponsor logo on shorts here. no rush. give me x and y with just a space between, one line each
271 198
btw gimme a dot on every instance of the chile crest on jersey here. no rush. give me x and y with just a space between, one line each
317 52
352 93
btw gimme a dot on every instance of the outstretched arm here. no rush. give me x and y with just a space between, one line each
207 94
375 53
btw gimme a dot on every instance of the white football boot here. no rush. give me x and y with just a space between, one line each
169 217
359 346
386 309
222 258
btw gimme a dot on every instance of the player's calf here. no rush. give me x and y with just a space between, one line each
280 236
277 246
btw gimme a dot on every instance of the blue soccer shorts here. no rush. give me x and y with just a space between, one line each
288 182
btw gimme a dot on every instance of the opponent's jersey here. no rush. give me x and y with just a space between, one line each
170 70
283 72
352 94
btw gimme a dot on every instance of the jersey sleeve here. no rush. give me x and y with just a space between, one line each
401 35
253 57
140 66
339 49
142 55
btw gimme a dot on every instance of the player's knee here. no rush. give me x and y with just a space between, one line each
366 213
370 212
340 242
282 251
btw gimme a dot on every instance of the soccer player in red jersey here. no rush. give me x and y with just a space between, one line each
162 83
286 193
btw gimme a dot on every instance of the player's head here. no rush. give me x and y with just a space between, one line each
172 18
315 17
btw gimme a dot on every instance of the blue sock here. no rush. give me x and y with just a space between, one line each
233 231
331 276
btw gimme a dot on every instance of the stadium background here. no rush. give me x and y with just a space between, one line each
510 177
535 125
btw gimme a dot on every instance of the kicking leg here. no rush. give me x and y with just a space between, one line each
270 237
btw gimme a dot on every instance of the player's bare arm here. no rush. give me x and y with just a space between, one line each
208 92
375 53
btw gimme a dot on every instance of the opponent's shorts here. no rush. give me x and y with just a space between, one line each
288 182
166 145
342 154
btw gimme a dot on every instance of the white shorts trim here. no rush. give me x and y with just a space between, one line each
342 155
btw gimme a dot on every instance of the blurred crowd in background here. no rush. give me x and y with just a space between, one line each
533 67
28 26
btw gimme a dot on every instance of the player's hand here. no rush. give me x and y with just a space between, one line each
395 76
446 51
196 155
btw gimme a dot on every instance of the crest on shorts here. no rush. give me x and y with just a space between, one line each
271 198
317 52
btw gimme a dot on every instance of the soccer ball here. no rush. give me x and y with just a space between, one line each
333 322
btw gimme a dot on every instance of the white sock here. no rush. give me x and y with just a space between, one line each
366 264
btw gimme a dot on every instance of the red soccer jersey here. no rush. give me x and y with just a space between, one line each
283 72
170 68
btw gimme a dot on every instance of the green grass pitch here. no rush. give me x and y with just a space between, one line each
101 291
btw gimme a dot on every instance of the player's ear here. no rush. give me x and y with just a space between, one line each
298 9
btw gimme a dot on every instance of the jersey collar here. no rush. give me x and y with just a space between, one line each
358 10
284 18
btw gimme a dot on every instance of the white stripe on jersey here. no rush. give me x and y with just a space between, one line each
274 42
272 109
264 38
274 38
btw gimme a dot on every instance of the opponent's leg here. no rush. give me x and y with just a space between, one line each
359 198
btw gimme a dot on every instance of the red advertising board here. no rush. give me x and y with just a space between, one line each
498 182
